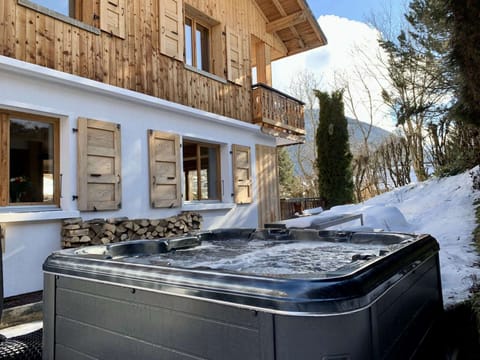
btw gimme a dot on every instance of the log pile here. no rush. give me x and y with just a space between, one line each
77 233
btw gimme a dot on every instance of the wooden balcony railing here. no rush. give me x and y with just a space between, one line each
278 111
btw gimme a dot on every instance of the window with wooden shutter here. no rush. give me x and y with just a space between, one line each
112 17
234 56
99 165
165 181
171 28
242 174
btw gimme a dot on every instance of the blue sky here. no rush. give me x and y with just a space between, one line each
60 6
359 10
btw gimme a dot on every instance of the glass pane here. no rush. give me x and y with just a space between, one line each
191 185
188 42
201 172
209 173
202 47
31 161
60 6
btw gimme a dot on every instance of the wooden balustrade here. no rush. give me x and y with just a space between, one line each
274 109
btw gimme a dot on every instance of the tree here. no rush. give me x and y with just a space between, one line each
335 183
451 96
301 87
420 91
464 15
289 185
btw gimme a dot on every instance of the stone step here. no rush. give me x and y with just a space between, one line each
22 314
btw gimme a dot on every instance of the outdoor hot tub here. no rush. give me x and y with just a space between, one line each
244 294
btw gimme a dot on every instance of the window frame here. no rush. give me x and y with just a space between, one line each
74 20
72 7
5 119
218 179
195 23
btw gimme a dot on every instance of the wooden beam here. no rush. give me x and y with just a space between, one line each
279 7
313 22
286 21
283 126
282 12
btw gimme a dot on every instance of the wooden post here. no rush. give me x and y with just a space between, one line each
264 63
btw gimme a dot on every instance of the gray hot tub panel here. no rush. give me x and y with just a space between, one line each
100 305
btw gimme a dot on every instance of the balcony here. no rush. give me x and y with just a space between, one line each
279 114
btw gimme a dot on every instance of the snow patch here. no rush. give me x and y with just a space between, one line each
442 208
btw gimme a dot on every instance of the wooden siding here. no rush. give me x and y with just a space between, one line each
136 62
274 109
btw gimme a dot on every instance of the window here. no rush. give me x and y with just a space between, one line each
93 16
64 7
197 44
201 166
29 155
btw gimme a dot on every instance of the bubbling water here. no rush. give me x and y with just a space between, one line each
260 257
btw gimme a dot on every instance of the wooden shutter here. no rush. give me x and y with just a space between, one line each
234 56
112 17
267 183
165 181
218 50
171 28
99 163
242 174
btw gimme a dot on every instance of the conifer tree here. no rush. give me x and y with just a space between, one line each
288 183
464 15
334 157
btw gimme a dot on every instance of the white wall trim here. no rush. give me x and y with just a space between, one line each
47 74
14 217
206 207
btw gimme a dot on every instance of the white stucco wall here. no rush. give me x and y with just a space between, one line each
32 234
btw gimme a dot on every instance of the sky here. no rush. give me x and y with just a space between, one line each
346 26
61 6
442 207
351 9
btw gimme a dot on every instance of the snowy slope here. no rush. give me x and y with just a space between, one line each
440 207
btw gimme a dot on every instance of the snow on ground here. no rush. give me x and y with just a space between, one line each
440 207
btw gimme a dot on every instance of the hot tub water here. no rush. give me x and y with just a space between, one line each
266 257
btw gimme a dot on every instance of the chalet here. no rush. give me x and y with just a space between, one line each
140 109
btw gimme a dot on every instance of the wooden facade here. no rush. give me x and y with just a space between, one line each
138 45
277 111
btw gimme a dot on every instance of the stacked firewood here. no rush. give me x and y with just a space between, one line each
77 233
